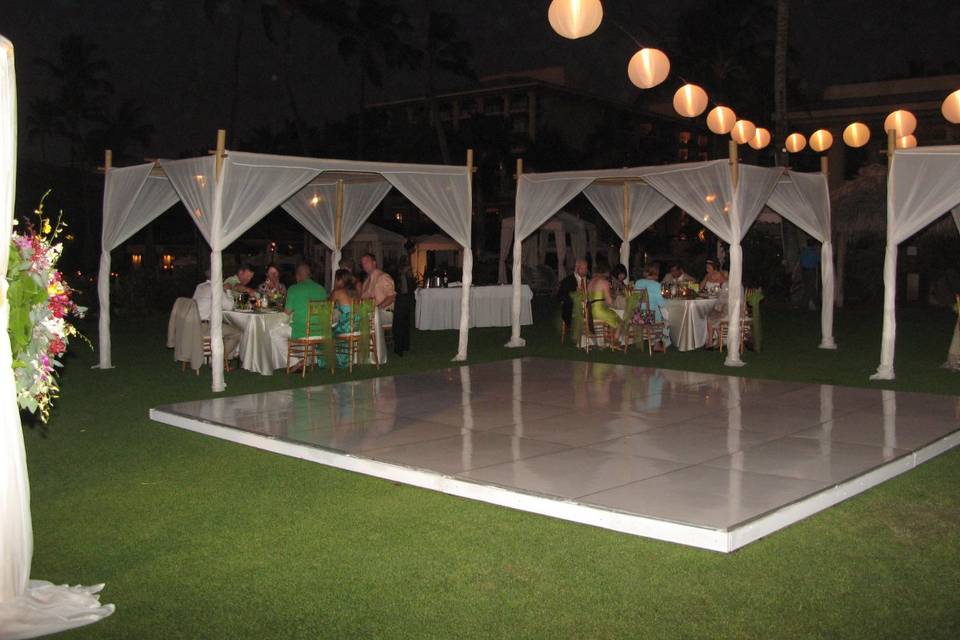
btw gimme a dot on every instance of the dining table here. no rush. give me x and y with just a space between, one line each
257 353
687 321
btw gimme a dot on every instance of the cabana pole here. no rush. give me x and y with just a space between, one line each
337 254
735 284
216 268
625 244
827 280
103 284
515 340
467 271
888 342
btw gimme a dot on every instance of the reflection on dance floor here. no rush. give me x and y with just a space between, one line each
700 449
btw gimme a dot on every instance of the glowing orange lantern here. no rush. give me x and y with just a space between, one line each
856 135
903 123
743 131
575 18
795 143
951 107
760 139
690 100
648 68
821 140
720 120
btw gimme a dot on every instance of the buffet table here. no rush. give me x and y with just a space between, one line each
489 307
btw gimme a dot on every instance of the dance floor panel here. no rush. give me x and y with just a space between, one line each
706 460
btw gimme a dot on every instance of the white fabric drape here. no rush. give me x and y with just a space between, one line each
131 201
506 238
644 206
447 199
28 608
924 184
538 198
804 199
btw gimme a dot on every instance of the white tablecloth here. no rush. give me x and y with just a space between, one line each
489 307
687 320
256 352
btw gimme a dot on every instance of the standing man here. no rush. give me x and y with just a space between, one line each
379 287
576 281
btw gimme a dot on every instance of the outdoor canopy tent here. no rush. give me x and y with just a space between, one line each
583 235
382 243
725 196
436 242
228 193
923 185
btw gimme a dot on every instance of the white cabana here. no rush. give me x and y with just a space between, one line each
582 235
725 196
228 193
382 243
450 251
923 185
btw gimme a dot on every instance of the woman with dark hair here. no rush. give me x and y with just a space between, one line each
713 280
272 289
618 280
344 299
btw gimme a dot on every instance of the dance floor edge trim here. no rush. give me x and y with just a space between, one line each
722 540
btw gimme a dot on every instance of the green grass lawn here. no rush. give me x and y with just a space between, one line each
201 538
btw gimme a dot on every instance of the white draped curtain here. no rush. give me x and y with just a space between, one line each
924 184
804 199
28 608
131 200
629 208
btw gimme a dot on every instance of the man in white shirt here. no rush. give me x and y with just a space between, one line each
677 276
203 295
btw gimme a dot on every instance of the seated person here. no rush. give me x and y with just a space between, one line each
344 297
380 287
618 280
655 299
600 300
272 289
576 281
677 276
240 282
714 280
298 298
203 294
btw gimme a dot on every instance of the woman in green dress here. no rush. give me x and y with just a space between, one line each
600 299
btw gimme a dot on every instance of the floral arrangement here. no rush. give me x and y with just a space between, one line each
40 306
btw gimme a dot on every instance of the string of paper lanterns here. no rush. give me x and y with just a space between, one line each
650 67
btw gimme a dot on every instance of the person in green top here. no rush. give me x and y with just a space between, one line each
299 296
240 283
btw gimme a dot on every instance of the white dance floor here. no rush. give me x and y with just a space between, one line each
699 459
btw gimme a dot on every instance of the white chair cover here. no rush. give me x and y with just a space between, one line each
131 201
28 608
924 184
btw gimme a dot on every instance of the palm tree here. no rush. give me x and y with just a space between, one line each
44 121
372 34
82 88
443 51
119 130
212 10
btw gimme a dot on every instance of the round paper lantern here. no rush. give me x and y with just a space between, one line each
648 68
951 107
575 18
902 122
795 142
907 142
856 134
743 131
760 139
690 100
821 140
720 120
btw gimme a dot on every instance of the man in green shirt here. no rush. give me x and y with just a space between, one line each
240 283
298 297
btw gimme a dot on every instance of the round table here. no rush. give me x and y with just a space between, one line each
256 351
687 322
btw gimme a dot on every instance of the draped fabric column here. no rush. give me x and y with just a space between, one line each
446 196
804 199
506 236
923 184
131 201
537 200
28 608
644 206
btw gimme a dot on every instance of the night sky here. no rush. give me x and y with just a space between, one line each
166 54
